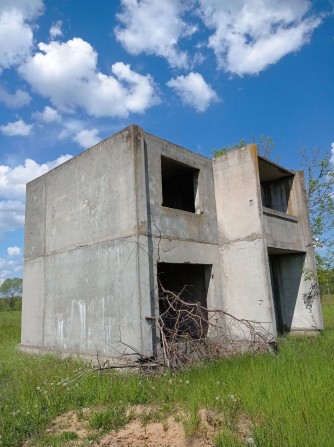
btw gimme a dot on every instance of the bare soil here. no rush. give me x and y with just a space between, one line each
143 431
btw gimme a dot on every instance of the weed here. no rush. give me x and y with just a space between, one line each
287 396
109 419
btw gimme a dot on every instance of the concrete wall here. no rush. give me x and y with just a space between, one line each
283 231
173 223
242 246
81 287
96 231
303 318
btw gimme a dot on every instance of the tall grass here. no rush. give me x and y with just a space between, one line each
288 397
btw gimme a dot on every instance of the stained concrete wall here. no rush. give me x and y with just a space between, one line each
247 231
283 231
96 231
303 318
81 288
242 246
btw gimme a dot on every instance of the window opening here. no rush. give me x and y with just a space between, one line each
275 195
179 185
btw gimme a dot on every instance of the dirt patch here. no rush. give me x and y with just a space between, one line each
73 421
147 426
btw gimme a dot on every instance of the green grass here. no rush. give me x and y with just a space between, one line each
289 397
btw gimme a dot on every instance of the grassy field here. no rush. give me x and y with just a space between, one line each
288 397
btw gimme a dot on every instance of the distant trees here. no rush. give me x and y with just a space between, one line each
11 289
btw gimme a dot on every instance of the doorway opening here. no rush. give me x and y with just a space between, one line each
183 291
286 272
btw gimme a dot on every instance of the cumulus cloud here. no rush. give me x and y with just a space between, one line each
17 128
48 115
11 215
193 91
12 189
87 138
13 180
250 35
332 152
16 30
154 27
14 251
55 30
14 100
11 266
30 9
67 74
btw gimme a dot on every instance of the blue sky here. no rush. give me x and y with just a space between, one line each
200 73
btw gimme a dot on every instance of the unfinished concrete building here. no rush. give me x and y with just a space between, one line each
104 226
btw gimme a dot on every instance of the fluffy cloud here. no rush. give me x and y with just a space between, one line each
67 74
12 190
55 30
250 35
11 266
87 138
13 180
16 30
14 100
14 251
247 35
154 27
332 151
17 128
193 91
30 9
11 215
48 115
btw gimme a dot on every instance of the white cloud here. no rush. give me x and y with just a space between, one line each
11 215
55 30
87 138
11 266
250 35
14 100
14 251
12 190
67 74
48 115
30 9
16 30
17 128
332 152
154 27
193 91
13 180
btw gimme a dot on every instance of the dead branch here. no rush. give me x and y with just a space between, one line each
190 332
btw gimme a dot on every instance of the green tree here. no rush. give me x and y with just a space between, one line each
11 288
319 179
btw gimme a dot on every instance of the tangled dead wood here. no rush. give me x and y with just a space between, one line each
190 332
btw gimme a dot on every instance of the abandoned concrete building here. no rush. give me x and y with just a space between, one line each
104 226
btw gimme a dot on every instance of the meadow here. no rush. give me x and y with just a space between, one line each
288 397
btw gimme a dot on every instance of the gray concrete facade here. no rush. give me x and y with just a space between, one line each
103 226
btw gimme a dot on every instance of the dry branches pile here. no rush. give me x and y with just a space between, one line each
189 332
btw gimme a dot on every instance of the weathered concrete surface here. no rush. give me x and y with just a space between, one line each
242 245
248 232
96 232
105 232
283 231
